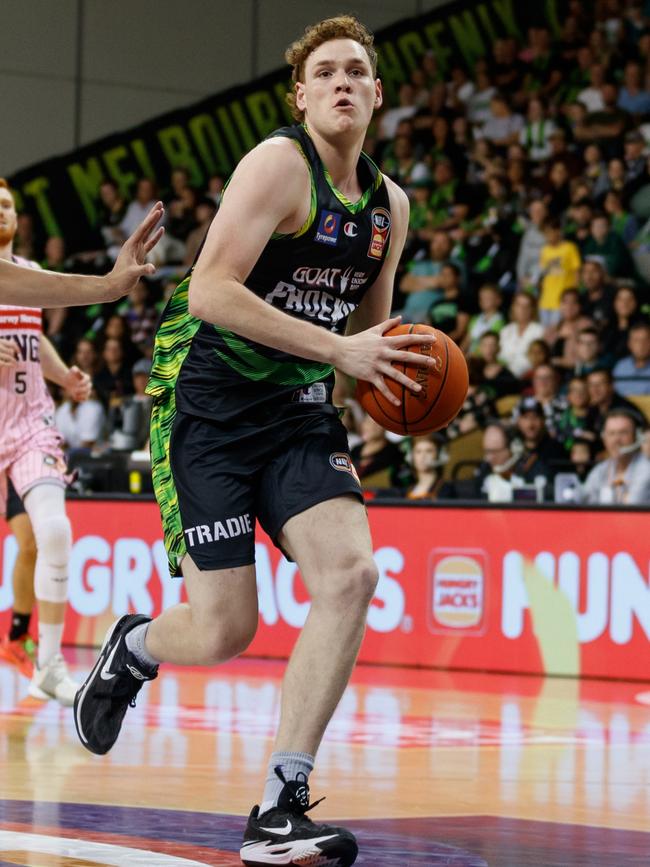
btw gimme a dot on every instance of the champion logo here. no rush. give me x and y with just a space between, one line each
351 229
282 832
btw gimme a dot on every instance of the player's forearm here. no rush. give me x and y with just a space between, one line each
28 287
231 305
53 366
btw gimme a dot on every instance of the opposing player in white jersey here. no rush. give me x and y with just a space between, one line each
31 456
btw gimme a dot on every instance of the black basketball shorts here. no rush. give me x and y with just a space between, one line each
213 481
15 505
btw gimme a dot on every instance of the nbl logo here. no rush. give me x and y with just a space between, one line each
458 580
380 219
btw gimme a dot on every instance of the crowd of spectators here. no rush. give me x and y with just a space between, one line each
529 244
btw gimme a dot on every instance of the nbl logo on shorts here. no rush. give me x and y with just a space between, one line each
328 228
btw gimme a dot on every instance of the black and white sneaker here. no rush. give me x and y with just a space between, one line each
285 835
110 688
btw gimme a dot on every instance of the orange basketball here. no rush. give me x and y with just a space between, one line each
444 388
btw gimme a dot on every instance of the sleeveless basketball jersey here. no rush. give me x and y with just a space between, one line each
319 274
25 403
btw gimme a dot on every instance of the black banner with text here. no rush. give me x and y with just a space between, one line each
209 137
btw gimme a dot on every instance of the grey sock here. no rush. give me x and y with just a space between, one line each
135 641
292 764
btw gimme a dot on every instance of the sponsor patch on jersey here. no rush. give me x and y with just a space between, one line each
351 229
342 462
328 228
380 219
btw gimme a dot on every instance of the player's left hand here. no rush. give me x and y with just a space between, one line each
77 384
130 265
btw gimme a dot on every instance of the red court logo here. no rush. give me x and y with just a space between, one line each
458 579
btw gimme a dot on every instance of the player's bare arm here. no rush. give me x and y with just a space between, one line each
372 315
270 192
75 382
29 287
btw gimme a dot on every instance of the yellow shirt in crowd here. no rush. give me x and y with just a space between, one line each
560 264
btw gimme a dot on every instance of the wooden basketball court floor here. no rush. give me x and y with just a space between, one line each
428 768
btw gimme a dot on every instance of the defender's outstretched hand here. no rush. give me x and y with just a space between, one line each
130 265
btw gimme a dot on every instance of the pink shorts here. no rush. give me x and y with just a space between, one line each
38 459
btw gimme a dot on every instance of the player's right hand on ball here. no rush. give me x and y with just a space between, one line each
369 355
8 353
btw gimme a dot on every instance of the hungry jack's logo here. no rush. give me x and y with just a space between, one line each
458 579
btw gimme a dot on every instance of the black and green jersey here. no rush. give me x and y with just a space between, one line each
319 274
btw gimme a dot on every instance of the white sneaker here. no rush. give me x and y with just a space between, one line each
54 681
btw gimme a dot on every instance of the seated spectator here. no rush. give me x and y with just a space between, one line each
496 379
376 454
546 391
81 425
539 352
444 147
632 373
493 476
480 102
607 125
624 476
112 381
530 248
447 312
140 315
633 97
490 318
560 152
590 354
427 459
113 209
86 357
535 134
503 126
129 419
559 263
145 199
541 456
623 223
595 169
634 159
596 291
572 423
562 338
390 118
581 456
557 189
117 327
519 333
578 219
603 398
625 313
421 282
613 180
606 244
204 214
592 95
403 166
214 191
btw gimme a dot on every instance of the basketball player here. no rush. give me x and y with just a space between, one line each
31 457
295 279
31 288
17 646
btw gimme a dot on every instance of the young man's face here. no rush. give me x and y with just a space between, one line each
8 217
339 93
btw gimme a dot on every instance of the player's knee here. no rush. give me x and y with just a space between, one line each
351 585
27 548
54 539
221 642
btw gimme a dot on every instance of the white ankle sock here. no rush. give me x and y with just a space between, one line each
291 764
49 641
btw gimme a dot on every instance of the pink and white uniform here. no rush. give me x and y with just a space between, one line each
30 445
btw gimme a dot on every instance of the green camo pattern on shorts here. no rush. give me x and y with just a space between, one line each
162 420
